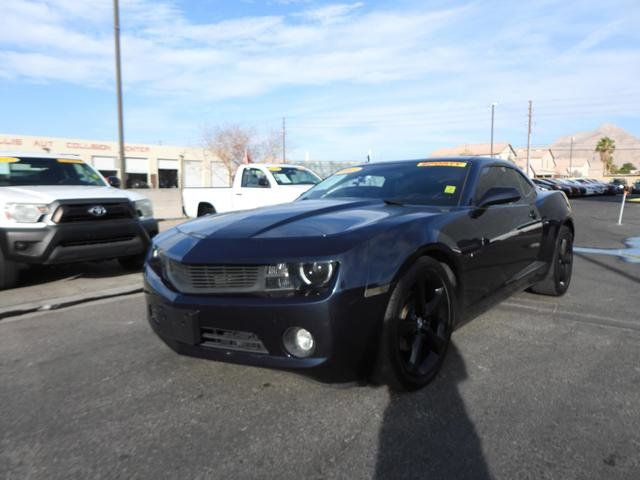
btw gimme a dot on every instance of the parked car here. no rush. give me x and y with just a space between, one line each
569 190
254 185
619 183
365 275
57 209
553 185
635 188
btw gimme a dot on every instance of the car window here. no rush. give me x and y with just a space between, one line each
22 171
254 178
418 183
498 176
293 176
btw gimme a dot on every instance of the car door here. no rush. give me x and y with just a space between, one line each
253 191
504 240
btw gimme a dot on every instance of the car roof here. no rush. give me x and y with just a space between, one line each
38 155
472 160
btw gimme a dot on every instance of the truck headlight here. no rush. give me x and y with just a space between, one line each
144 208
25 212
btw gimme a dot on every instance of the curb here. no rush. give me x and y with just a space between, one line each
62 302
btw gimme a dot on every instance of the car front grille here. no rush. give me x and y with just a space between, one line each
81 212
96 241
214 278
231 340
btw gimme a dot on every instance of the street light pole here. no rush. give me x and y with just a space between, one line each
493 109
571 158
116 35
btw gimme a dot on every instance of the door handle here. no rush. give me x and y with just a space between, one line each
239 194
533 214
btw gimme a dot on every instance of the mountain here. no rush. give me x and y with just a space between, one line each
584 145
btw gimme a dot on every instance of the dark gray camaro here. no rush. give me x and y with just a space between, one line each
364 276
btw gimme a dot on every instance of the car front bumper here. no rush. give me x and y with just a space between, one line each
77 242
344 325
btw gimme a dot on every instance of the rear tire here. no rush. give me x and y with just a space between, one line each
417 327
8 273
557 281
133 263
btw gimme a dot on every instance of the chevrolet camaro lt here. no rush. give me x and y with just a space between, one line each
365 275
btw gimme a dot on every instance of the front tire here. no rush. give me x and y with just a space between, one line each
557 281
8 273
417 326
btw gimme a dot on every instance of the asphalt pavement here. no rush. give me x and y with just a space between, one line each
538 387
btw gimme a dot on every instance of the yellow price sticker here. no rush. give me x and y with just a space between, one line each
69 160
275 169
443 164
345 171
451 189
9 160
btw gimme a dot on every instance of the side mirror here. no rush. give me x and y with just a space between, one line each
263 182
499 196
114 182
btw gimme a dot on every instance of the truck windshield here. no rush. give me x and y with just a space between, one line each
294 176
419 183
20 171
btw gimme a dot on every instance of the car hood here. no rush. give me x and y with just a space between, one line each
51 193
306 218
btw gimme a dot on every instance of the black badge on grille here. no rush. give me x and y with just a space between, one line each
97 211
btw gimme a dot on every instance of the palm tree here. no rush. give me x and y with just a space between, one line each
605 148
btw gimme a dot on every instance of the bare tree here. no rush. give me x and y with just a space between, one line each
232 143
229 143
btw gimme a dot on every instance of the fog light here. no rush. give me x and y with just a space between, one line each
298 342
21 246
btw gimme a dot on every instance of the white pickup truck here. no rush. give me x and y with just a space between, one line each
254 185
57 209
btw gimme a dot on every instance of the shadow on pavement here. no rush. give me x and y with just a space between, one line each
589 258
39 274
427 434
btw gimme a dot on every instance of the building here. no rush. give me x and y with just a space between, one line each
500 150
542 162
146 165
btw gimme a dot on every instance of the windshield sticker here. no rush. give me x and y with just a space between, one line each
69 160
450 189
442 164
9 160
275 169
345 171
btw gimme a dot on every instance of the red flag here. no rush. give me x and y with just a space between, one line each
247 157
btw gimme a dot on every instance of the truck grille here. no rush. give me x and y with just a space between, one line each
214 278
231 340
81 212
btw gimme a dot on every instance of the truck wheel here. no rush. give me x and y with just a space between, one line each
205 209
417 327
8 273
557 280
133 263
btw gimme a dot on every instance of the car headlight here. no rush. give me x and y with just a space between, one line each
144 208
25 212
299 276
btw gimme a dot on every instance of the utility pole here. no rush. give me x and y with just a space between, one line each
116 34
493 110
284 140
571 158
529 139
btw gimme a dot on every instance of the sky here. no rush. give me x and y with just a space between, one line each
394 78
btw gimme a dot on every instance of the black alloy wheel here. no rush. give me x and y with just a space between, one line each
418 326
557 281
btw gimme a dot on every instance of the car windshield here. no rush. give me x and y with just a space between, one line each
20 171
294 176
421 182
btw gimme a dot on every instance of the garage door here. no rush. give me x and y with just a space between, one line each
219 175
137 165
192 173
166 164
104 163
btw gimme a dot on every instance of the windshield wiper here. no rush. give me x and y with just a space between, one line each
393 201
